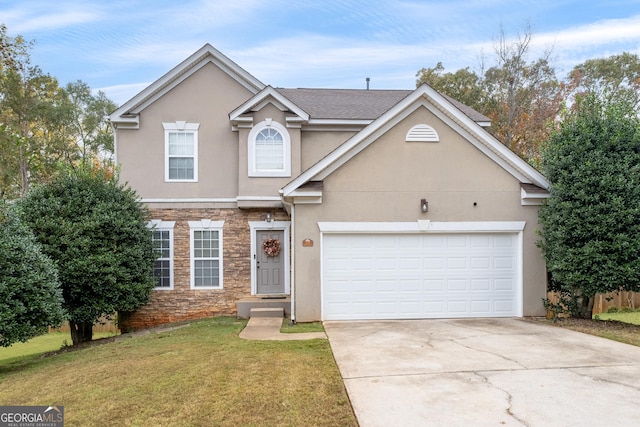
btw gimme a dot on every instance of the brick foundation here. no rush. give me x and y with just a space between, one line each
183 303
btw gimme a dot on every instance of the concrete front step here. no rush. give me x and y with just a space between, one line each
267 312
245 305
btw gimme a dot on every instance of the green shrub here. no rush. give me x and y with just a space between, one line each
30 294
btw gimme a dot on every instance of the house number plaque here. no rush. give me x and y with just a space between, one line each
307 243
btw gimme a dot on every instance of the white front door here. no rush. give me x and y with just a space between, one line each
412 276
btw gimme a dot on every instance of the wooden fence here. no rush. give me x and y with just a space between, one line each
103 326
603 302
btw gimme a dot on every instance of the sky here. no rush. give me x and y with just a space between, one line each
120 46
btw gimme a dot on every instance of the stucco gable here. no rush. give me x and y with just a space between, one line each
444 109
128 114
241 115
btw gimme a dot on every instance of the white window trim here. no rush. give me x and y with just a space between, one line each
180 126
272 225
156 224
251 150
206 225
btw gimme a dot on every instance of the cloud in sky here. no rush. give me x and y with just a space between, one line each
124 45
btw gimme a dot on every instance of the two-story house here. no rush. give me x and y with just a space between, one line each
335 203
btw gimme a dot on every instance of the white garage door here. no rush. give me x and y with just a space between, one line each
412 276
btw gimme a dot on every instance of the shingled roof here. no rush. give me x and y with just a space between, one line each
357 104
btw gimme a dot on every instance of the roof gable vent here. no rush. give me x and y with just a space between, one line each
422 133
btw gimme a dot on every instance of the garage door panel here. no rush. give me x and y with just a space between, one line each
502 263
457 285
419 276
504 306
480 285
480 241
456 241
412 286
434 285
505 284
433 263
386 264
456 263
436 241
482 307
457 307
481 263
503 241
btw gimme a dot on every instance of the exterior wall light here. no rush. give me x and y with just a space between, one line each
268 218
424 206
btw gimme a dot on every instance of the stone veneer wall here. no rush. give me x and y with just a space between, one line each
183 303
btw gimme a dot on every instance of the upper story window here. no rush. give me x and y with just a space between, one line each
269 150
181 151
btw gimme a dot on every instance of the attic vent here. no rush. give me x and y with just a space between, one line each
422 133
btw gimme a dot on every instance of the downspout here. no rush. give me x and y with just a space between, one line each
292 269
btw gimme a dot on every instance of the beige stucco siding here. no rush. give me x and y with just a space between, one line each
316 145
206 97
385 183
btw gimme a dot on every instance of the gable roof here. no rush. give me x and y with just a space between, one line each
357 107
359 104
354 104
127 114
446 110
267 95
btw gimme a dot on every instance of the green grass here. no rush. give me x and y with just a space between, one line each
287 328
202 374
630 317
42 344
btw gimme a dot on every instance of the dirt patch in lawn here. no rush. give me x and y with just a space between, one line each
611 329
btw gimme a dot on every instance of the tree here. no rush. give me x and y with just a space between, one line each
615 77
521 97
96 231
30 294
464 85
87 112
591 221
30 139
43 127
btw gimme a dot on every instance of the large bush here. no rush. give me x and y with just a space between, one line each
30 294
591 222
96 231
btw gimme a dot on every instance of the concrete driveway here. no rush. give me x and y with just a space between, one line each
484 372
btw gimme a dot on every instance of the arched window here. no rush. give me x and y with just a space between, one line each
269 150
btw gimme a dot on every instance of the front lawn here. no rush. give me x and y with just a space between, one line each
626 317
198 375
622 327
42 344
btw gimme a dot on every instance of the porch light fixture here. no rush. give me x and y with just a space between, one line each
424 206
268 218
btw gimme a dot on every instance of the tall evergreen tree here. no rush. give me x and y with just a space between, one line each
591 222
96 231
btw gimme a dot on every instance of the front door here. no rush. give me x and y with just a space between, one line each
270 262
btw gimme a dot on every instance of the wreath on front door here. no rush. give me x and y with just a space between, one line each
271 247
